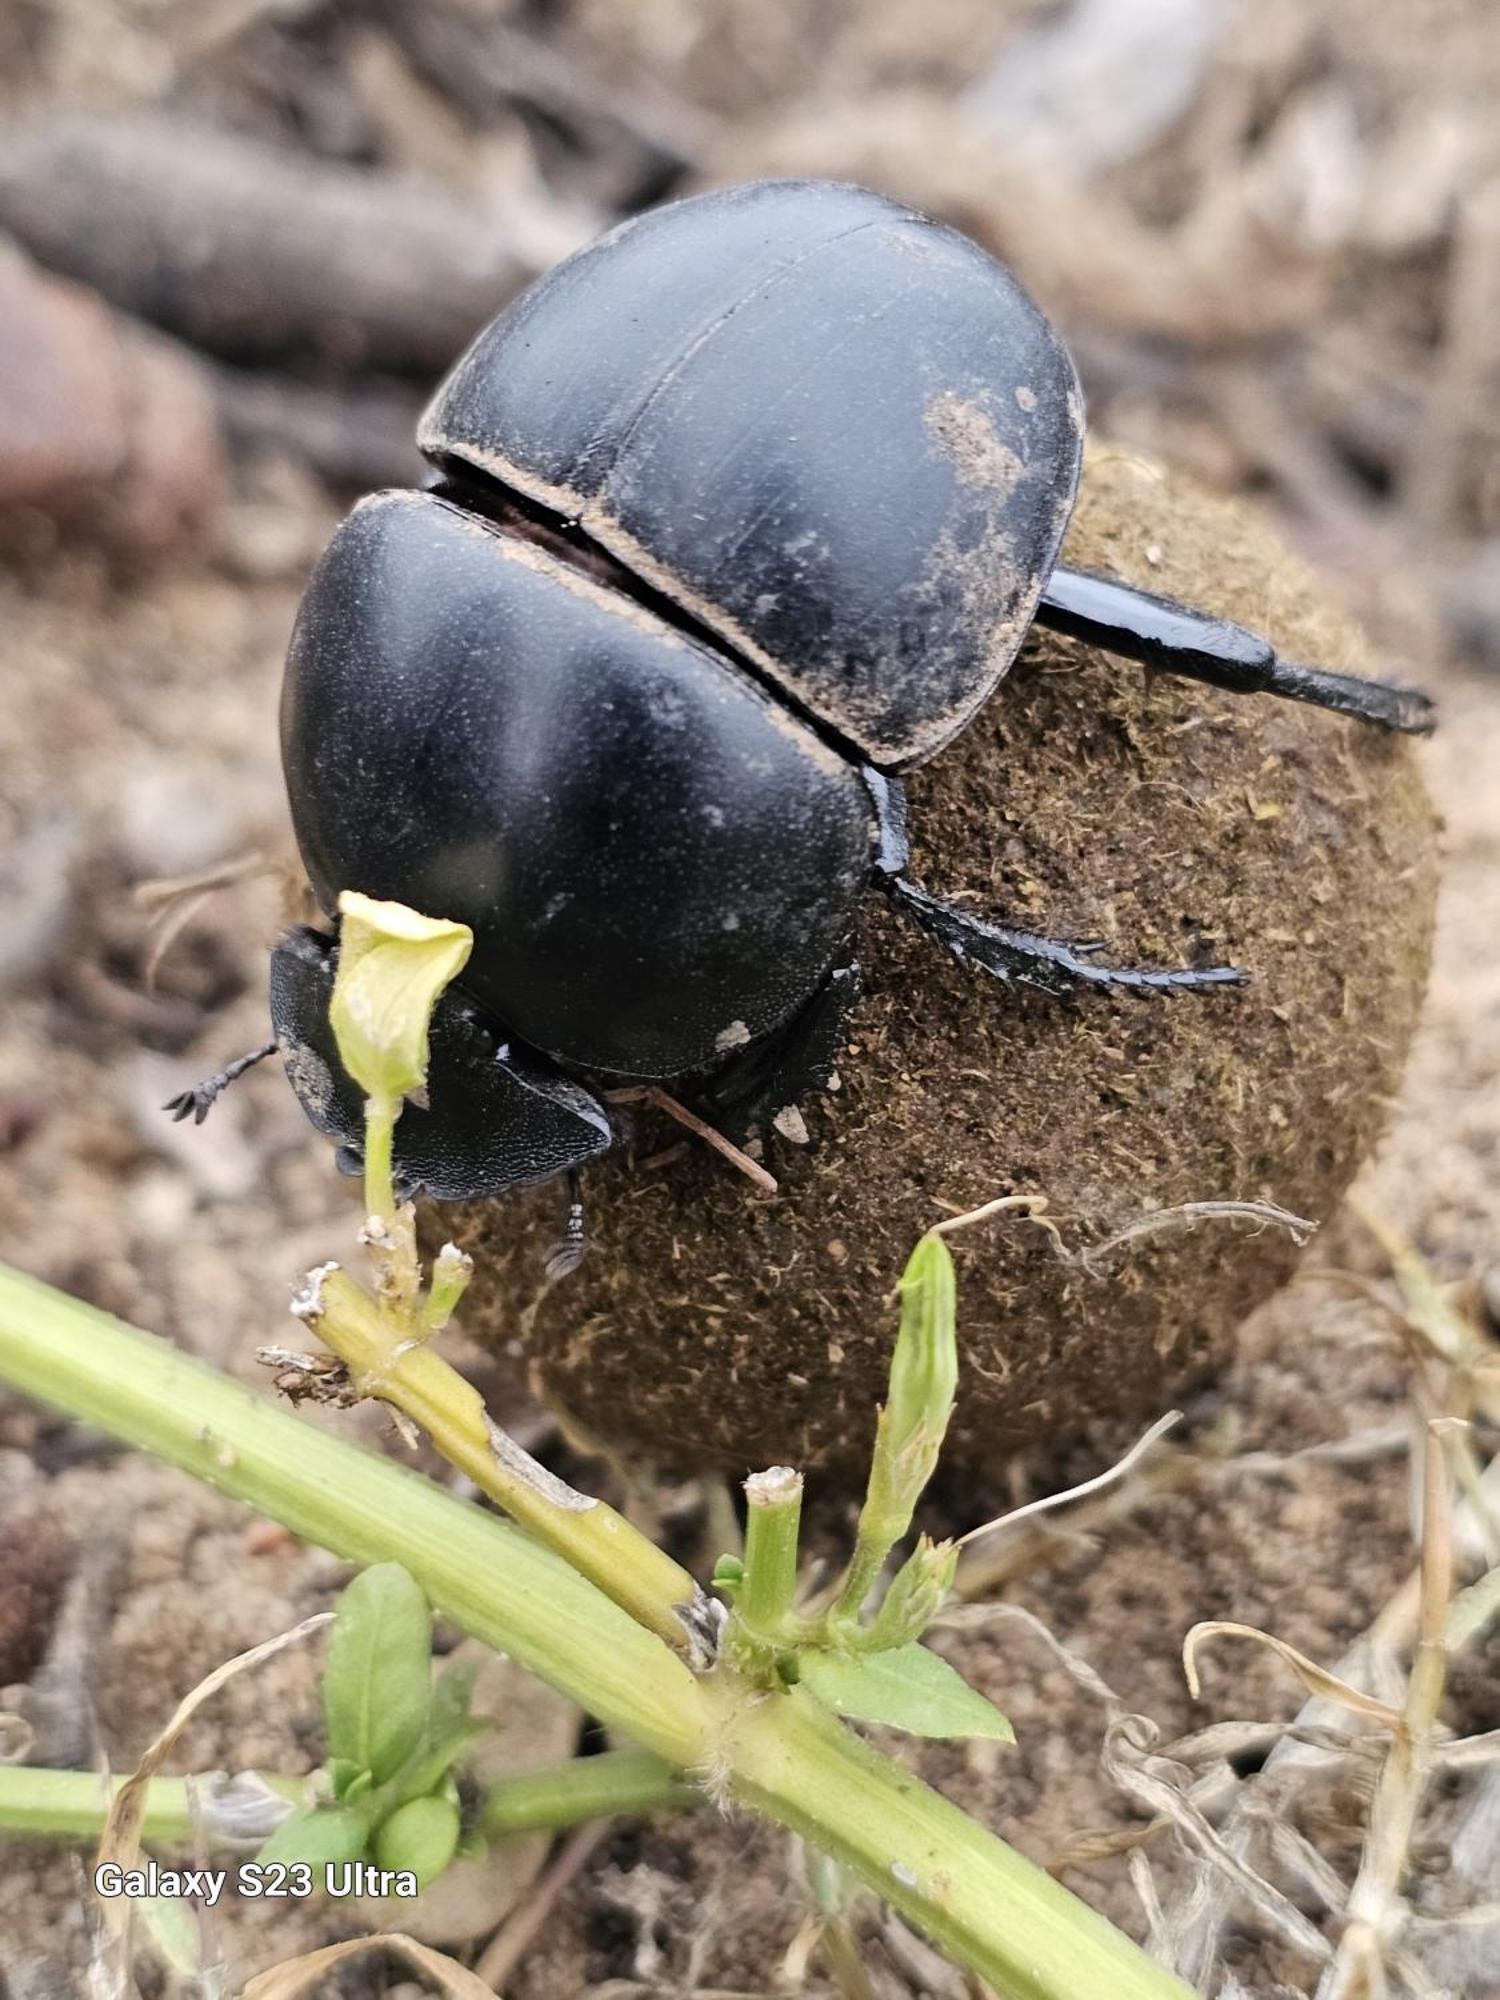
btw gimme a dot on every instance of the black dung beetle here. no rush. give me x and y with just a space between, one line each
735 516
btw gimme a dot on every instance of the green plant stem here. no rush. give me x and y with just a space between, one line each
619 1781
871 1548
987 1906
991 1909
489 1577
593 1538
73 1805
773 1519
380 1136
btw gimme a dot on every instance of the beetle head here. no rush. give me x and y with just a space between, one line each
494 1117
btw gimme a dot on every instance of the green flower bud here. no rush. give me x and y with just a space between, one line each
421 1836
917 1594
910 1431
924 1381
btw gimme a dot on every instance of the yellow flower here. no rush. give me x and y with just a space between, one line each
393 964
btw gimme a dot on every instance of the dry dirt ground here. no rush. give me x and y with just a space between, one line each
137 741
138 736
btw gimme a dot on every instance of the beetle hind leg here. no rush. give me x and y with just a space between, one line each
1179 640
1043 962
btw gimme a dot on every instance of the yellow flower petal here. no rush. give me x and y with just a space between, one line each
393 965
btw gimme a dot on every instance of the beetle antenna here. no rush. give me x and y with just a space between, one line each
201 1099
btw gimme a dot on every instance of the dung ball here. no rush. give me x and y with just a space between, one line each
1168 822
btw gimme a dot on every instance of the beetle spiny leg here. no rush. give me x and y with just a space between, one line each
1042 962
1160 632
566 1255
200 1100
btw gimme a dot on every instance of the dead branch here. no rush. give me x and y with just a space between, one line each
636 143
245 249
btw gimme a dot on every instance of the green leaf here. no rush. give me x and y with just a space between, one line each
326 1835
422 1835
439 1754
907 1688
377 1683
452 1692
346 1780
176 1933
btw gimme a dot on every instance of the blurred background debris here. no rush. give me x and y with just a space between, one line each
1271 232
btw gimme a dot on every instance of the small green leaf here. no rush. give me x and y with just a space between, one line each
377 1683
452 1692
907 1688
344 1777
393 964
729 1573
324 1836
176 1933
422 1835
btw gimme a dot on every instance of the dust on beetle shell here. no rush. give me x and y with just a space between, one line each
1173 823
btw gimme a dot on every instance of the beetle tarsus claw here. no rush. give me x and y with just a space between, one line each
202 1097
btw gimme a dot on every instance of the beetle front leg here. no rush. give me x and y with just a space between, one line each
1161 633
1003 952
201 1099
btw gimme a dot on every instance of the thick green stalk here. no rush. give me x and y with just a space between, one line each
594 1539
619 1781
991 1909
772 1524
985 1905
489 1577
